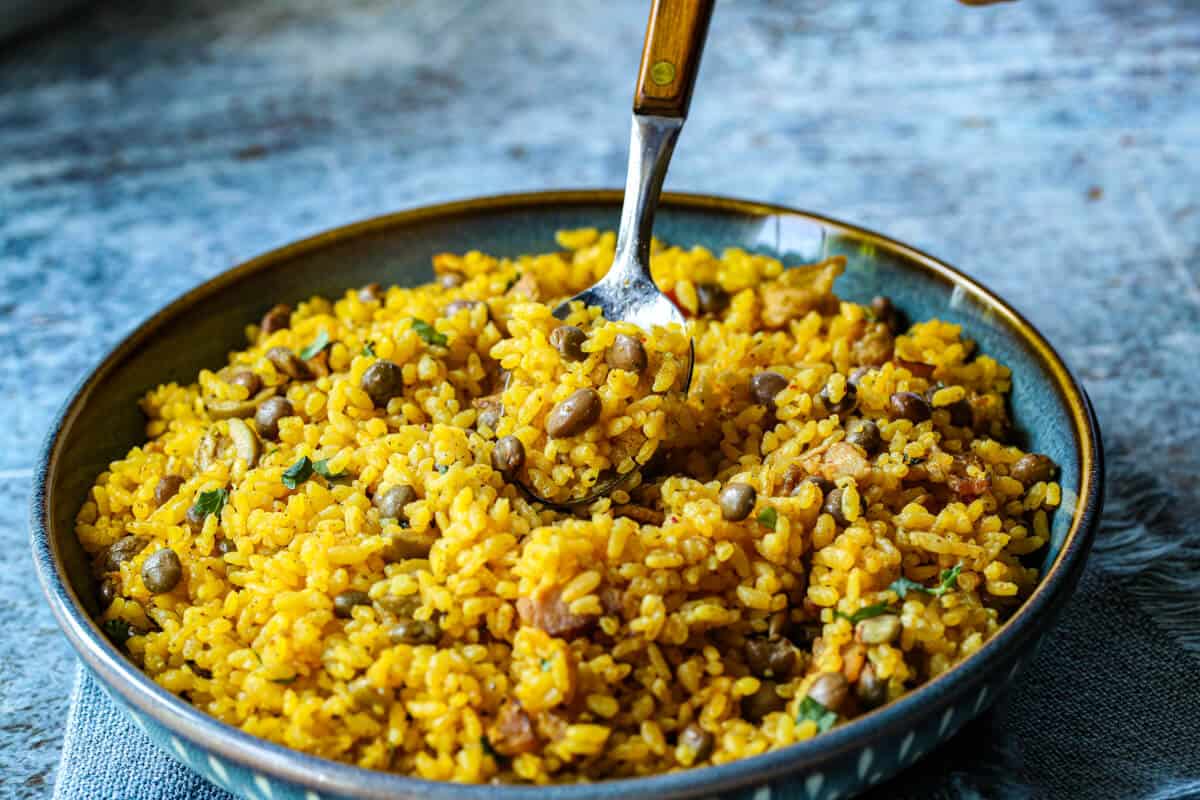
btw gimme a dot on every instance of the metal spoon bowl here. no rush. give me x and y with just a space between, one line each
675 37
627 291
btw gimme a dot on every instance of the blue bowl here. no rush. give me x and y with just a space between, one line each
101 421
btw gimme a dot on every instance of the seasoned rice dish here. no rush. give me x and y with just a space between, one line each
331 542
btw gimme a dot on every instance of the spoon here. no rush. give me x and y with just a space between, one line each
670 60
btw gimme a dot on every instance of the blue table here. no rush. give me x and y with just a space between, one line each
1049 148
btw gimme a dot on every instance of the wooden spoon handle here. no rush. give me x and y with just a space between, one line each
671 56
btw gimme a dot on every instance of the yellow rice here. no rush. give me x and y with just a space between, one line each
251 637
638 410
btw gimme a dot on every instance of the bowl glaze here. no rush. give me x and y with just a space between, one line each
101 421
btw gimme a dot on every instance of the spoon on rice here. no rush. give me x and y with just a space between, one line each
675 37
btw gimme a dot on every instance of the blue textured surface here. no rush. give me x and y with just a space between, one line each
1049 148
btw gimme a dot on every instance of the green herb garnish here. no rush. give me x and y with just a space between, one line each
210 502
318 344
298 473
441 468
768 518
305 468
811 709
428 333
902 586
118 630
284 681
488 750
866 612
545 665
322 468
949 580
368 349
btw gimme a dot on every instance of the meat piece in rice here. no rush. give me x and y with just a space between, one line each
512 733
545 609
968 477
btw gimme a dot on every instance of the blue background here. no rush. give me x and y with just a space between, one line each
1049 149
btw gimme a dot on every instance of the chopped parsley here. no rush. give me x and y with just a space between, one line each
211 502
441 468
305 468
284 681
118 630
298 473
428 333
948 579
318 344
902 586
368 349
811 709
545 665
768 518
322 468
866 612
488 750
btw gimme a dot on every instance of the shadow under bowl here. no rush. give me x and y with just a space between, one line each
101 421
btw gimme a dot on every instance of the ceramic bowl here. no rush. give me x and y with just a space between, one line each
101 421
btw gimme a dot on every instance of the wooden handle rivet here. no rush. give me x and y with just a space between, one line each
662 73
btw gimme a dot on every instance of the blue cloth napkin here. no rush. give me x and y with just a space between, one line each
105 757
1110 708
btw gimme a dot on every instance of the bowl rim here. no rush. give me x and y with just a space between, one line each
121 676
